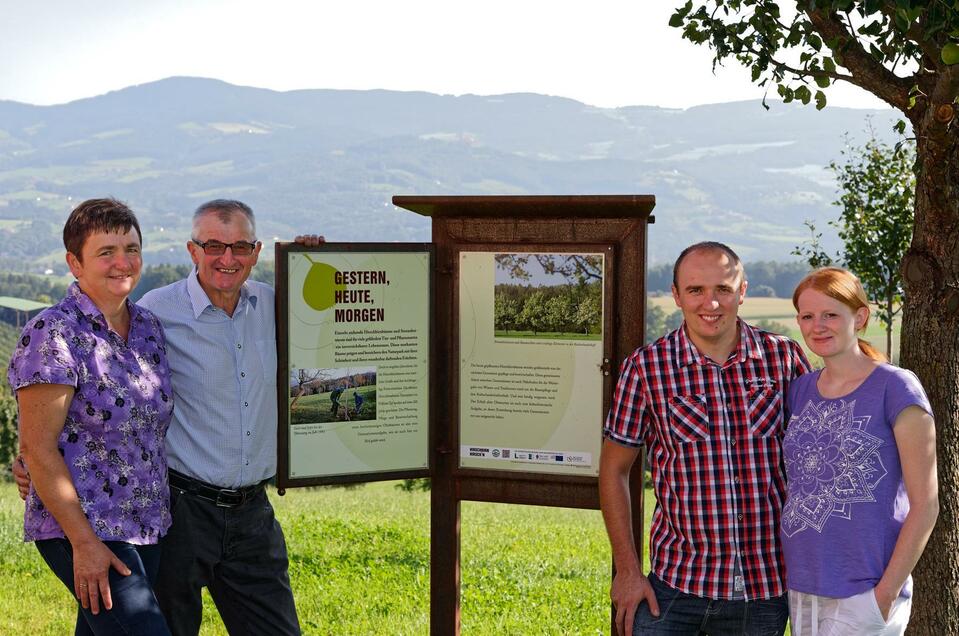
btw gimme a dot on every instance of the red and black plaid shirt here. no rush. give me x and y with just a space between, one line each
712 434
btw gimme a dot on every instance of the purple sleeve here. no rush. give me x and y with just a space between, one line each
43 355
795 388
904 390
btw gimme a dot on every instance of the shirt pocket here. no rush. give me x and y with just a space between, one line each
266 350
688 418
765 412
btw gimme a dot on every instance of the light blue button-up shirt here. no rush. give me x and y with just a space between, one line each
223 430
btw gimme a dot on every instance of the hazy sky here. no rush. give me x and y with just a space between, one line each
605 52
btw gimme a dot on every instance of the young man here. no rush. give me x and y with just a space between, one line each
706 400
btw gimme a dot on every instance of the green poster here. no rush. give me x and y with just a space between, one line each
531 354
358 362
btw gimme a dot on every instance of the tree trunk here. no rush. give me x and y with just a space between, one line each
930 348
892 319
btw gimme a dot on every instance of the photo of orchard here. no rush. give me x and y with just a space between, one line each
331 395
548 296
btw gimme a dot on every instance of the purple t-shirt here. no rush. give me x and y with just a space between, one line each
113 438
845 499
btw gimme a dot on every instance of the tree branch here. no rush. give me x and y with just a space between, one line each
866 71
814 73
915 33
799 72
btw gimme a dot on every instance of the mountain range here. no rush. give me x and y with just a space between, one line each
329 161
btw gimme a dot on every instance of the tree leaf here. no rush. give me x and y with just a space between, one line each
950 53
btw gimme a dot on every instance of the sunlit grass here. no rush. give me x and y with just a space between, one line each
359 564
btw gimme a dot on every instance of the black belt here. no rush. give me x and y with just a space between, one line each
222 497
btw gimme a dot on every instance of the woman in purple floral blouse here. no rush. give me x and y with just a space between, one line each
93 389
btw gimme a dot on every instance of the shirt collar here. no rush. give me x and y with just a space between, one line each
748 346
89 309
200 301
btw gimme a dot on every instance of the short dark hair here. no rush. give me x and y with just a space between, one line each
225 209
706 246
97 215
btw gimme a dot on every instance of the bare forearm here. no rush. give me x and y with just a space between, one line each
916 440
909 546
614 497
618 520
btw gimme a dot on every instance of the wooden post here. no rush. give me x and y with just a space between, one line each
613 225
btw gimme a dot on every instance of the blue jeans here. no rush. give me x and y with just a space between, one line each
135 608
681 613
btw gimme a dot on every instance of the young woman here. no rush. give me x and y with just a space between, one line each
860 453
93 390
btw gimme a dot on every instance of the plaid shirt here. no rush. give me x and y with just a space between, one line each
713 434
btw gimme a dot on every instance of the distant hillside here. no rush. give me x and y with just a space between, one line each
329 161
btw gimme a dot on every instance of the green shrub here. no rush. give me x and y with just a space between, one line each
8 432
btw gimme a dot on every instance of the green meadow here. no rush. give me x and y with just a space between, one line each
359 564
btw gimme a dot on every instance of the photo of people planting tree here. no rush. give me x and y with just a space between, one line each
548 296
332 395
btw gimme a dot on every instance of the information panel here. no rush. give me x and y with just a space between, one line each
531 355
358 361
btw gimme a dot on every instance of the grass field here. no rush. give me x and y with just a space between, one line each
359 563
781 310
316 408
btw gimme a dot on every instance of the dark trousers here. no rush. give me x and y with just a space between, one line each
681 613
238 554
135 609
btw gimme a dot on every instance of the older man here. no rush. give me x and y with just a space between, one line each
221 444
706 400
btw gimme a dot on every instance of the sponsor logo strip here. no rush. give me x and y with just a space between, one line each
525 455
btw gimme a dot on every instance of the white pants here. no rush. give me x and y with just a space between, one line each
859 615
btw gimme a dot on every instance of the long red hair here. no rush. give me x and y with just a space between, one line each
844 286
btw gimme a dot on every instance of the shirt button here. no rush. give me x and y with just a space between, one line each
239 346
248 463
733 442
248 433
242 374
740 515
246 404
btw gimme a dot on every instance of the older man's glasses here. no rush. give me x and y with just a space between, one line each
216 248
